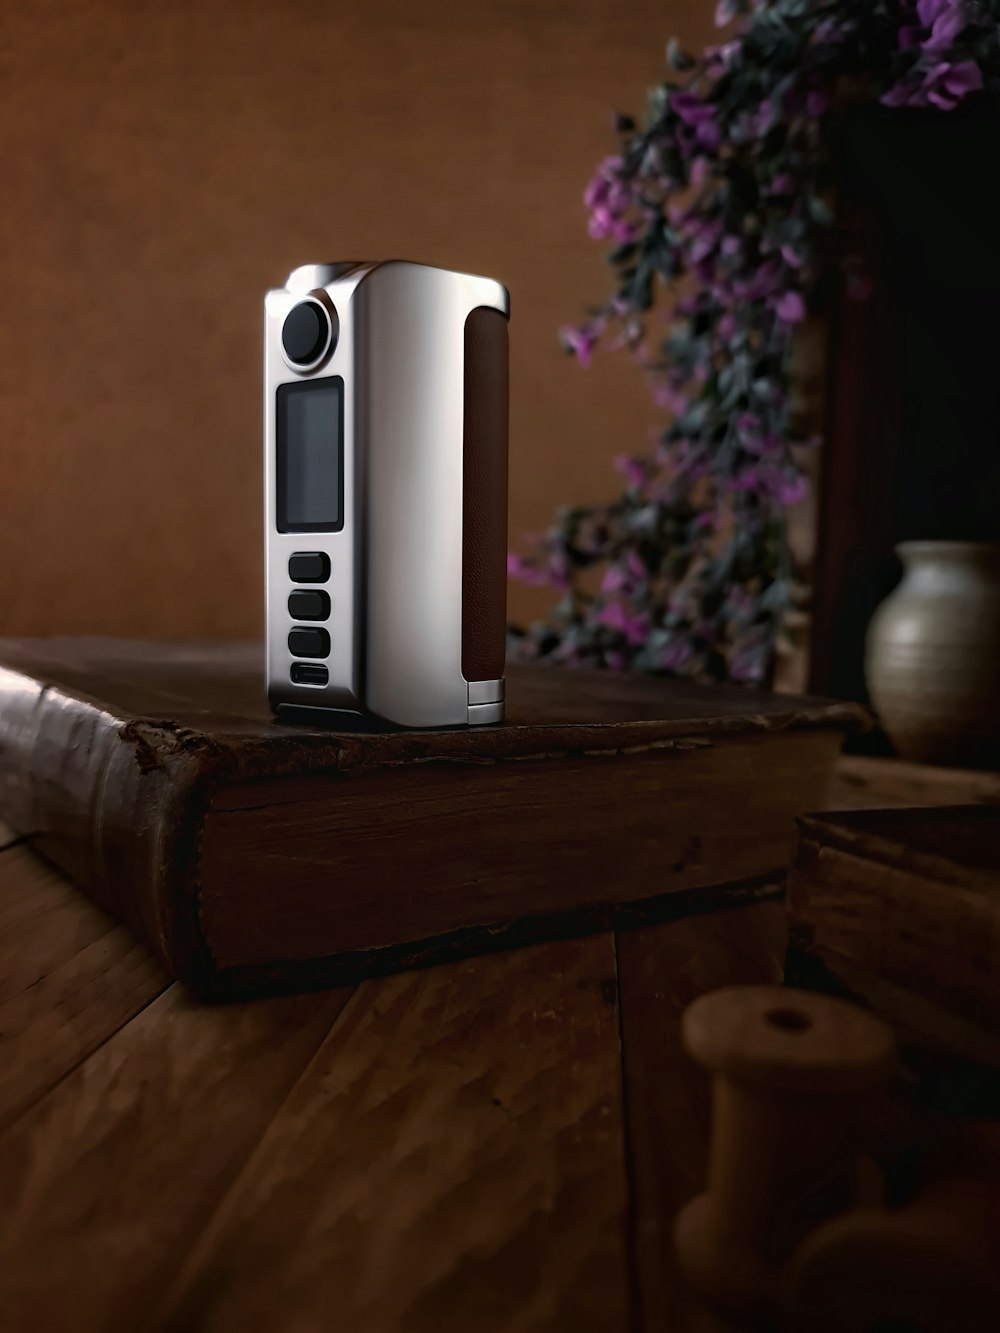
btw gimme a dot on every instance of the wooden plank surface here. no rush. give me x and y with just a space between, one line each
661 970
861 782
69 978
452 1162
109 1178
450 1152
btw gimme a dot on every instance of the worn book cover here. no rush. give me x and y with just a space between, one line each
252 855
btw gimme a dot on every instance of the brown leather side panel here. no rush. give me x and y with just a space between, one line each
484 527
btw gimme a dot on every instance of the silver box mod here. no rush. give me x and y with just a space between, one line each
385 465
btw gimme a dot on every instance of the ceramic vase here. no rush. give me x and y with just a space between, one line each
933 655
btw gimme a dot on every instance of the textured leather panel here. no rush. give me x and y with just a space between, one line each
484 528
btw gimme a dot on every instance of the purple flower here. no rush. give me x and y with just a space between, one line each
763 283
790 489
946 28
725 12
603 222
691 109
768 444
829 32
901 95
670 398
597 188
634 628
608 198
614 579
947 84
753 439
749 479
698 116
734 264
705 238
677 654
929 11
790 307
944 85
633 469
699 171
623 231
525 571
747 666
723 54
581 342
557 569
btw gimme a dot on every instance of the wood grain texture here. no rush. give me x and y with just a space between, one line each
911 896
661 970
69 978
109 1178
860 782
451 1162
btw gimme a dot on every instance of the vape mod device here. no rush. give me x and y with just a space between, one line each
385 464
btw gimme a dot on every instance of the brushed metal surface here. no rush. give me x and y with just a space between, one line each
396 580
344 689
411 339
485 691
484 714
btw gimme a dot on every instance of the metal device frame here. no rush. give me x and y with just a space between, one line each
396 565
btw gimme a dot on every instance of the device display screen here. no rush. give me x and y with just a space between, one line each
310 443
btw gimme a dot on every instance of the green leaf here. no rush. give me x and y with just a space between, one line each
678 59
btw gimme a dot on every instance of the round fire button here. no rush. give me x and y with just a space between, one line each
306 334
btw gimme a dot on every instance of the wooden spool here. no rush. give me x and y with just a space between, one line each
786 1064
931 1265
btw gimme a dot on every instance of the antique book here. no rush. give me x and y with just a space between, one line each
254 855
903 906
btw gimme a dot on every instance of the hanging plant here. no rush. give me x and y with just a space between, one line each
719 213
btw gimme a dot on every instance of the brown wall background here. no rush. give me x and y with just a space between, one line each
163 163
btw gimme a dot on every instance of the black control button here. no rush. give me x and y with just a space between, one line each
306 332
309 567
309 673
309 643
309 604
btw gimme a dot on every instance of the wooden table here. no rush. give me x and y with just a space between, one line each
495 1144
